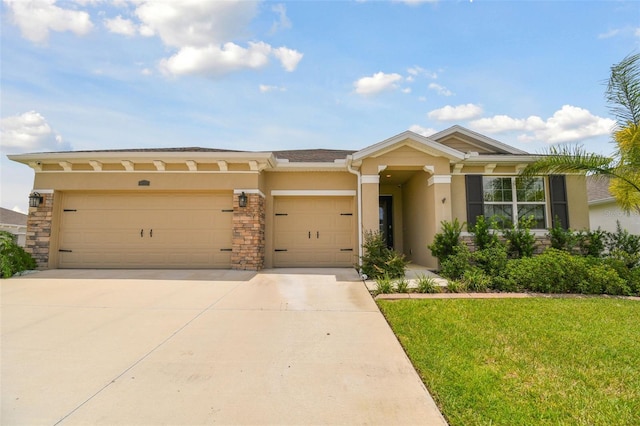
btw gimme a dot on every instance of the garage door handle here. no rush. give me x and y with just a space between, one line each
309 234
141 233
317 234
151 233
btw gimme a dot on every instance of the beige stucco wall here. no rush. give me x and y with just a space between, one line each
127 181
458 199
577 201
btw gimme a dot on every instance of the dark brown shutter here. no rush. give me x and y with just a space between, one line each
559 207
475 198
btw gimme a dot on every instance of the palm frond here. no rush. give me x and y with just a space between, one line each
570 159
623 90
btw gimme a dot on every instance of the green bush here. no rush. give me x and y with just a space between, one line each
427 284
520 241
561 239
379 260
454 265
622 241
476 280
456 286
492 260
402 285
591 243
445 242
483 237
13 258
384 285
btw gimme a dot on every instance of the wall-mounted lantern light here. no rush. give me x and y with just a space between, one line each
242 200
35 199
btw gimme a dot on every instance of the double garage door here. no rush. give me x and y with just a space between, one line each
137 230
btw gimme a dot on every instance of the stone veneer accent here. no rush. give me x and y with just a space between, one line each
39 231
542 243
248 233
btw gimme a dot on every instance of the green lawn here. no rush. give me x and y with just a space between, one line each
541 361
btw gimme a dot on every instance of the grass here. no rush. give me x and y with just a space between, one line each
543 361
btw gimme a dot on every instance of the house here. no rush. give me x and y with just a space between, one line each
15 223
211 208
604 213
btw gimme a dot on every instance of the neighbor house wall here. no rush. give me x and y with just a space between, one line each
606 215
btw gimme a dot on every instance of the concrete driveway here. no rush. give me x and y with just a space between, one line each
202 347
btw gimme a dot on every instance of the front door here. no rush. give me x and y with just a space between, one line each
386 219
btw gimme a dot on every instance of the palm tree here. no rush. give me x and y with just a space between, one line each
623 167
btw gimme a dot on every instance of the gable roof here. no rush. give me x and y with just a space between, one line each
312 155
414 140
475 138
10 217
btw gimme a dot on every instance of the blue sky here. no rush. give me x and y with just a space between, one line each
92 74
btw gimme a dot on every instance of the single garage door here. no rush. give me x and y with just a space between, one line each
151 230
314 232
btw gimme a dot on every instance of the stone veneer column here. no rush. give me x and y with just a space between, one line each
39 231
248 233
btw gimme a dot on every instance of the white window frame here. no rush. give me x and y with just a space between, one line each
514 199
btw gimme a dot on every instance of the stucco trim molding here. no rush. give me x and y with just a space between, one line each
313 192
371 179
439 179
249 191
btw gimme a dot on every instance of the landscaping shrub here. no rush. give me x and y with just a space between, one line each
476 280
492 260
456 286
454 265
379 260
483 236
520 241
591 243
384 285
622 241
402 285
446 242
13 258
427 284
561 239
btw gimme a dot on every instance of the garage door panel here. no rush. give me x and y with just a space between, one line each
187 230
314 231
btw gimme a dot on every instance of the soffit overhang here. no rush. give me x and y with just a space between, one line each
258 161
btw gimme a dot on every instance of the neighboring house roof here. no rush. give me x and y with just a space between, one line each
10 217
598 190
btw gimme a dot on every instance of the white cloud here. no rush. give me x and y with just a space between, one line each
289 58
264 88
417 71
568 124
119 25
29 132
424 131
215 61
455 113
377 83
440 90
196 23
283 21
415 2
36 18
609 34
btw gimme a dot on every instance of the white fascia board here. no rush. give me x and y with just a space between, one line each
429 145
500 159
602 201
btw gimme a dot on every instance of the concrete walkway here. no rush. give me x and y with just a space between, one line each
202 347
